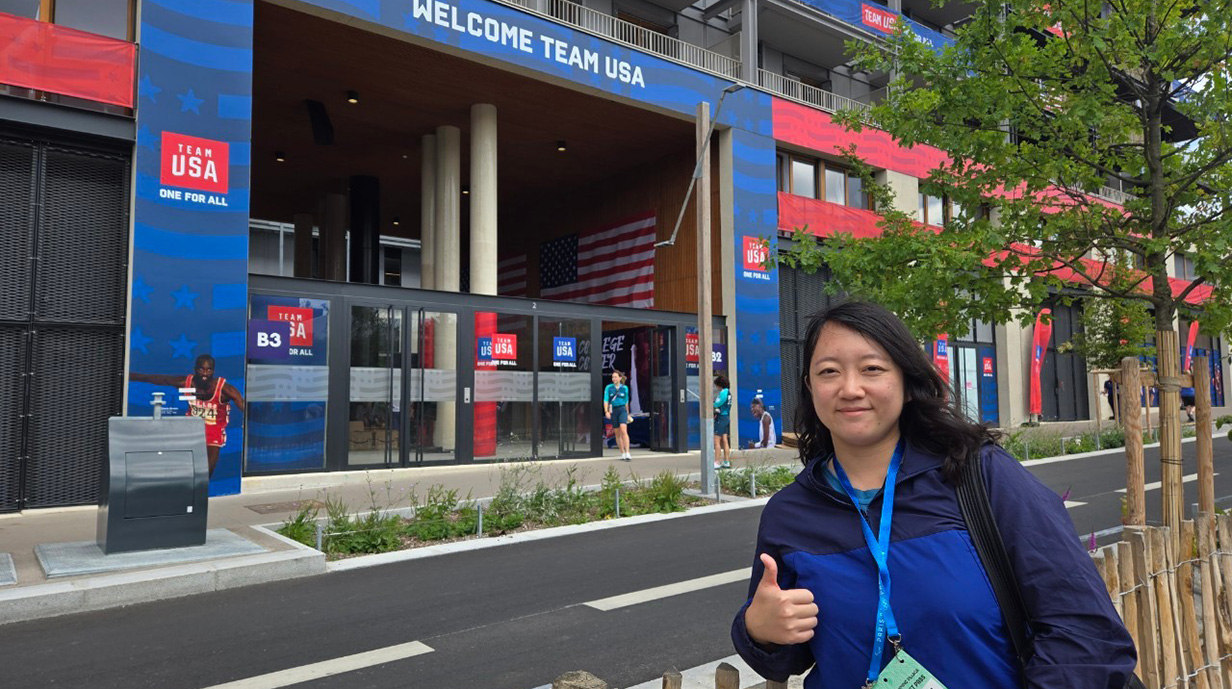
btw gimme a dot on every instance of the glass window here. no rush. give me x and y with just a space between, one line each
921 210
567 404
836 191
856 198
936 212
103 17
504 387
393 266
804 178
22 8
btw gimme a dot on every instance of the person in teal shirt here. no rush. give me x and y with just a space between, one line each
722 422
616 410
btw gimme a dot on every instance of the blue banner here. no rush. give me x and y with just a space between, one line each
871 16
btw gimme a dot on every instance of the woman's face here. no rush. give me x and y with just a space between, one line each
615 378
857 388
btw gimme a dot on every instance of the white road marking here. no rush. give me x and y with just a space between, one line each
669 590
326 668
1188 478
1070 504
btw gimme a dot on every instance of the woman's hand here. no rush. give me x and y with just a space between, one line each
778 616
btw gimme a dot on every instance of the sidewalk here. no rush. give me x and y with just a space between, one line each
239 551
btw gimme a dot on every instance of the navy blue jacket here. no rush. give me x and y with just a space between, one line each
940 594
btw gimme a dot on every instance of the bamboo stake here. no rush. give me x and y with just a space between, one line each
1202 428
1106 565
726 676
1129 595
1148 627
1172 492
1222 565
1171 664
672 680
1130 409
1210 624
1191 643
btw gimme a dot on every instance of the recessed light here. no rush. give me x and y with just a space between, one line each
280 157
465 191
352 97
395 220
560 146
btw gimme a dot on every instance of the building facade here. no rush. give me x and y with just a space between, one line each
418 231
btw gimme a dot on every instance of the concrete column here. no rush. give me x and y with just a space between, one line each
333 238
427 213
303 245
906 190
447 250
365 229
749 40
483 199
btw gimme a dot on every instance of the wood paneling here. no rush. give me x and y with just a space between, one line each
659 186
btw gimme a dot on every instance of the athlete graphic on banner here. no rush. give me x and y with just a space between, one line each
210 399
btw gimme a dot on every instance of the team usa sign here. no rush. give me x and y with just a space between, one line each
194 169
497 350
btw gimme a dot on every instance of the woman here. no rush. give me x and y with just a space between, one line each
722 422
616 410
879 423
766 436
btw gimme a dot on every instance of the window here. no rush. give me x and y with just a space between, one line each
844 187
797 175
111 18
1184 266
931 210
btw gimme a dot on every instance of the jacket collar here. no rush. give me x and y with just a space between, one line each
916 461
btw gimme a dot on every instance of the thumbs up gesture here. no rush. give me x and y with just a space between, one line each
779 616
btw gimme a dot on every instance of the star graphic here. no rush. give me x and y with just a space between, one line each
139 342
190 101
146 138
185 298
147 88
183 347
141 290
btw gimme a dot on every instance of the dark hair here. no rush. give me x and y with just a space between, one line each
721 380
202 359
758 401
928 420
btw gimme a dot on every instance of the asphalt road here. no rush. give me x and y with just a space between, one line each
511 617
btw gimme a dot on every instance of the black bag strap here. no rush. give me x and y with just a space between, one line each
977 513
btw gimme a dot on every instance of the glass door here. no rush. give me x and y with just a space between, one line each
430 424
663 403
375 387
566 403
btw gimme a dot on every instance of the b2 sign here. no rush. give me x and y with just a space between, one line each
269 339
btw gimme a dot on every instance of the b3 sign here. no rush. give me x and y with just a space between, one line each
269 340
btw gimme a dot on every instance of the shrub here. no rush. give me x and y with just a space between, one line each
302 526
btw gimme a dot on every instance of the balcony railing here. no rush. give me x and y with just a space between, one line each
809 95
632 35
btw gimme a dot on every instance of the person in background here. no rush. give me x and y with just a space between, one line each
866 561
722 422
1187 401
766 436
616 409
1110 392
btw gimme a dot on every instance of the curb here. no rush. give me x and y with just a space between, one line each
116 590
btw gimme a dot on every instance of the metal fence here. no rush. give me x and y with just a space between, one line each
634 36
809 95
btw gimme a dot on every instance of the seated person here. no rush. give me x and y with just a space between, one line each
765 426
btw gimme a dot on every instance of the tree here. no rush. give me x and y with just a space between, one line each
1040 103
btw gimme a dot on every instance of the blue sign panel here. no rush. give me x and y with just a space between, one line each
269 340
564 349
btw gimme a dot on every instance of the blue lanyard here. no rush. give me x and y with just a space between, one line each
879 546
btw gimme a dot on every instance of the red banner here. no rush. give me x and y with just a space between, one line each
1189 345
1039 343
941 355
44 56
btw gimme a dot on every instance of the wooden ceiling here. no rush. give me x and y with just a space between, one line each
406 91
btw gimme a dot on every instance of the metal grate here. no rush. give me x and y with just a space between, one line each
83 238
80 370
801 296
17 203
12 406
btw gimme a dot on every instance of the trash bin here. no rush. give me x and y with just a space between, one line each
154 491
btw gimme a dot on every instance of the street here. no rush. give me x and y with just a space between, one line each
510 617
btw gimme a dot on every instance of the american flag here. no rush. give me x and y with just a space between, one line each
511 276
613 265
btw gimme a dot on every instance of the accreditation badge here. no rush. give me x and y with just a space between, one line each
904 672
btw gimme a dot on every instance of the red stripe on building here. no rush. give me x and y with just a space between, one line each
46 57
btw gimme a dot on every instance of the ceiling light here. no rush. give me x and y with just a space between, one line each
465 191
560 146
352 97
395 221
280 156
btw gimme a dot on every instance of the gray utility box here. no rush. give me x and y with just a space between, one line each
155 487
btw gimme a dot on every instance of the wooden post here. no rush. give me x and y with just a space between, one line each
770 684
1210 622
1171 662
1106 564
726 677
705 372
1130 412
672 680
1191 644
1129 593
1202 428
1148 619
1223 563
1168 382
